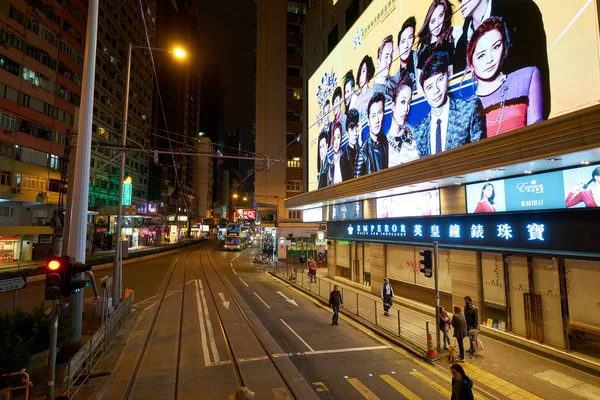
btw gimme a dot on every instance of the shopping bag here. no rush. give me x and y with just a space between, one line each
478 345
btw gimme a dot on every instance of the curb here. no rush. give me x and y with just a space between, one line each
376 329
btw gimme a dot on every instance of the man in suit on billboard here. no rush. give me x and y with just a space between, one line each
526 31
374 153
451 122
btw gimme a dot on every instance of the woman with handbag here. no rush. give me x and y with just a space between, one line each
444 325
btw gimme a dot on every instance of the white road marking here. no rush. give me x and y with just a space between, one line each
348 350
158 301
243 281
225 303
155 296
211 334
234 271
262 300
298 336
190 281
202 331
288 299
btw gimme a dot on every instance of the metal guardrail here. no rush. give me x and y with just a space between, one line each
26 384
83 363
401 323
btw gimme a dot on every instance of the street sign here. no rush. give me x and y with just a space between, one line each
8 285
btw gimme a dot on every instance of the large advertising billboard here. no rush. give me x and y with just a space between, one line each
342 212
409 205
571 188
413 78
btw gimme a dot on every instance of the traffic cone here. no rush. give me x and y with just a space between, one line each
431 352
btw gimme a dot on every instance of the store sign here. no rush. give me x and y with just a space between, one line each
246 213
571 188
127 193
547 66
550 232
341 212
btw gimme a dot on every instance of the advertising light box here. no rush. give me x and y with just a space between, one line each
313 215
342 212
409 205
412 78
572 188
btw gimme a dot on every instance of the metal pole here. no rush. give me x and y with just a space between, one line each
437 294
118 268
52 354
80 180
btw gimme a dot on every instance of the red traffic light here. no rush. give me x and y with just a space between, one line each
54 265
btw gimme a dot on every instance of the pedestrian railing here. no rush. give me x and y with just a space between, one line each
24 385
404 324
83 363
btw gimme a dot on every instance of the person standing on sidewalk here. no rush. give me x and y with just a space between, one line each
444 325
462 385
459 323
387 293
312 271
472 317
302 262
335 302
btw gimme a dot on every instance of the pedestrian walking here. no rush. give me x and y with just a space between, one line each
387 293
444 325
459 323
472 318
335 302
302 262
462 385
312 272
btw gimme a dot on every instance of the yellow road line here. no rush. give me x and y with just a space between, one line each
443 391
362 389
400 387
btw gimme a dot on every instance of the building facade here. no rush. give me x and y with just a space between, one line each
508 208
40 84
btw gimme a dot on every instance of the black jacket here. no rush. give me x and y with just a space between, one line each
323 174
335 299
527 41
346 168
367 161
472 317
466 389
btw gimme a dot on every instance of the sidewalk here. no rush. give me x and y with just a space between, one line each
506 371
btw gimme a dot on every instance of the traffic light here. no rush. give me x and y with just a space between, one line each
426 262
71 283
55 277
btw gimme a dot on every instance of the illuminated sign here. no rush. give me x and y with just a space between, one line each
572 188
409 205
245 213
548 232
127 192
341 212
524 64
313 215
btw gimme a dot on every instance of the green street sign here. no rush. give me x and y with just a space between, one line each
127 193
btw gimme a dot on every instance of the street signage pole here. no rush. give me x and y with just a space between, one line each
80 179
437 294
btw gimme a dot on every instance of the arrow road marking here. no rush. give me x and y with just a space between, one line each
225 303
298 336
262 300
288 299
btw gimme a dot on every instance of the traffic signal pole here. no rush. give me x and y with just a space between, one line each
52 354
436 278
80 179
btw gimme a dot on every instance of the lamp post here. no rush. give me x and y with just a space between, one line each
118 269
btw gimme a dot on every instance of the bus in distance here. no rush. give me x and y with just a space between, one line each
237 237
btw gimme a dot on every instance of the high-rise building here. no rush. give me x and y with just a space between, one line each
176 118
280 100
41 63
119 25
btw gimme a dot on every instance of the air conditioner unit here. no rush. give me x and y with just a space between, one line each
9 132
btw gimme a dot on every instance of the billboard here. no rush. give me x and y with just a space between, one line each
572 188
245 214
313 215
414 78
409 205
342 212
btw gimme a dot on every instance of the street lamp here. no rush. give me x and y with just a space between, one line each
180 54
245 198
235 196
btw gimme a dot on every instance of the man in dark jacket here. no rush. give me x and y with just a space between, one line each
374 153
472 317
335 302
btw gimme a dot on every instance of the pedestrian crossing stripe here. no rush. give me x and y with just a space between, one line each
438 388
362 389
400 387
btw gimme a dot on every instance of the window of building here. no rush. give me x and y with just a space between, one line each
7 120
294 186
16 15
7 212
294 94
9 65
55 162
54 185
11 40
292 138
293 50
293 116
37 79
5 178
293 162
294 214
332 39
9 93
294 72
296 8
352 13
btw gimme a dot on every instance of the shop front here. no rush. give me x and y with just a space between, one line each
530 274
10 249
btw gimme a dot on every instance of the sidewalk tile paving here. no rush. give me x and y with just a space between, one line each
508 371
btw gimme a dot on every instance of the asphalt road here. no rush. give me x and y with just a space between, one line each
209 312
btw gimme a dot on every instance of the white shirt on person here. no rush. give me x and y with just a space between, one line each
444 126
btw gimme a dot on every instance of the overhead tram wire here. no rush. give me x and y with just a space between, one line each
356 91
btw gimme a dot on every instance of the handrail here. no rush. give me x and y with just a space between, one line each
25 381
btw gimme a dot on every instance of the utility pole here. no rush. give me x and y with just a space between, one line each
437 293
80 180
